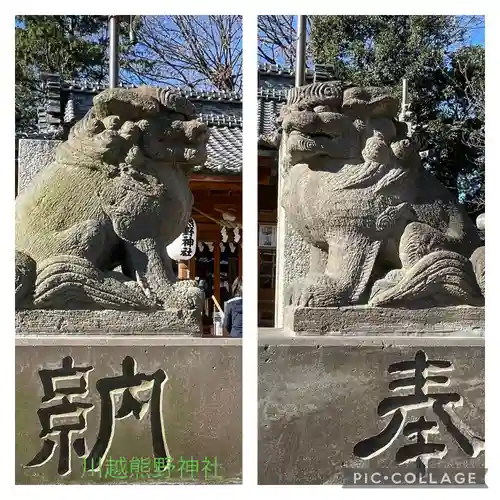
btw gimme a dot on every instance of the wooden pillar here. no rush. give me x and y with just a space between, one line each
192 268
217 269
182 270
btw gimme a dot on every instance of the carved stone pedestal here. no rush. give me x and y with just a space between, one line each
169 321
332 403
111 409
364 320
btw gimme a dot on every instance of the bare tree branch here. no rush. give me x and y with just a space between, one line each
277 40
203 52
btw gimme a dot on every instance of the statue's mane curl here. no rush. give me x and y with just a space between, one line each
108 136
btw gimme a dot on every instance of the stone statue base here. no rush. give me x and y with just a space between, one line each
331 405
363 320
165 322
149 392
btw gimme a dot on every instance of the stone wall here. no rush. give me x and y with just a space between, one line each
33 156
292 252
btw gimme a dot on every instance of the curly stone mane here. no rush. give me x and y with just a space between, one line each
108 137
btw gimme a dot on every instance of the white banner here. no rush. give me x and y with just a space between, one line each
184 247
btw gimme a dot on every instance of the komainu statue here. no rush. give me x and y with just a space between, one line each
382 230
93 227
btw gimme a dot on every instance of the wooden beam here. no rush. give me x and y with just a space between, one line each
204 197
206 191
204 226
218 209
205 186
216 212
215 220
199 216
217 269
216 182
207 231
218 179
207 236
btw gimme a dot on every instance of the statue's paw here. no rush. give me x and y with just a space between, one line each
184 294
316 290
291 292
386 284
299 292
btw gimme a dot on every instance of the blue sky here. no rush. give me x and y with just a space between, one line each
477 36
161 63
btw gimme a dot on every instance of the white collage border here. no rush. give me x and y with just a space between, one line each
249 10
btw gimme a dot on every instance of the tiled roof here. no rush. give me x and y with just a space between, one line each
193 95
274 83
277 69
268 108
205 95
68 102
268 111
224 150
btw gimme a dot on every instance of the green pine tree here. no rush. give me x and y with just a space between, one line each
71 46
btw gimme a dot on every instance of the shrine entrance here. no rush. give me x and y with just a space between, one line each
218 261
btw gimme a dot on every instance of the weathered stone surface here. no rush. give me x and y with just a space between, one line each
317 402
478 260
34 155
292 263
170 321
200 409
380 229
365 320
115 196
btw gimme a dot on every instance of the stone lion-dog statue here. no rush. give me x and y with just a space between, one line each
116 195
382 230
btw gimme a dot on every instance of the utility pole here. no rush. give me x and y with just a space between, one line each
131 30
300 60
113 51
404 102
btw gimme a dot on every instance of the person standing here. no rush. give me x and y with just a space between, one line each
233 316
